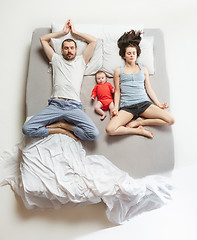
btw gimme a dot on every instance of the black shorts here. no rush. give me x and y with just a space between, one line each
137 109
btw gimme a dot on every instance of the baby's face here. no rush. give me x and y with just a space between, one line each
101 78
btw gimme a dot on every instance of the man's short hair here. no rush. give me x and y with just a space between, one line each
69 40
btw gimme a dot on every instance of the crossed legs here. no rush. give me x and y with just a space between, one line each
117 125
153 115
123 124
62 127
62 117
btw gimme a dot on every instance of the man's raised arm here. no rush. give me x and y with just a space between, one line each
45 39
90 40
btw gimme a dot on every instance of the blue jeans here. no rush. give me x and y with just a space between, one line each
59 109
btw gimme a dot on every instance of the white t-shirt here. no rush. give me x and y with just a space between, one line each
67 76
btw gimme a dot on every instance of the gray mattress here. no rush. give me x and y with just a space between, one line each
137 155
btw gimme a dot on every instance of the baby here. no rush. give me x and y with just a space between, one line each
103 90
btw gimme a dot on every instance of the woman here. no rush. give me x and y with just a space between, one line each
133 93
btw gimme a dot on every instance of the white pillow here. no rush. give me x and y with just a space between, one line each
147 53
112 59
106 56
95 62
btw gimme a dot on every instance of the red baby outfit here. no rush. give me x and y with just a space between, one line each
104 94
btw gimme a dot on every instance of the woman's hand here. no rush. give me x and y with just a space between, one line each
163 106
114 112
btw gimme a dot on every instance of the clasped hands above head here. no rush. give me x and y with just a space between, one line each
69 27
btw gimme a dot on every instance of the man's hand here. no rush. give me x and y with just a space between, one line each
67 28
72 28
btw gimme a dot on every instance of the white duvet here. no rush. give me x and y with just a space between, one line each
48 172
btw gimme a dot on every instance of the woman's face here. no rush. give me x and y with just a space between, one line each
130 54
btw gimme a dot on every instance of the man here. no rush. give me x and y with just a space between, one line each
64 113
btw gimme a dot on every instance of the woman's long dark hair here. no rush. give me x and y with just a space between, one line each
129 39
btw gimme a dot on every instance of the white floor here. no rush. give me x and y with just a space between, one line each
177 20
177 220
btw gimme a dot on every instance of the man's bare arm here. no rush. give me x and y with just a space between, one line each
90 40
45 39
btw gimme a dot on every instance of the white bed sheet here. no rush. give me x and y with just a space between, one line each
177 220
48 172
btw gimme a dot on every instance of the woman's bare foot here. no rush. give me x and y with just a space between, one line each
135 123
142 131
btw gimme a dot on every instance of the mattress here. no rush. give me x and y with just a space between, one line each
137 155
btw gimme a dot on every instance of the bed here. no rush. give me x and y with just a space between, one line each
137 155
49 172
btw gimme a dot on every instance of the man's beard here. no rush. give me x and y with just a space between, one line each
69 56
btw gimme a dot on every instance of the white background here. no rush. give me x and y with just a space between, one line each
177 20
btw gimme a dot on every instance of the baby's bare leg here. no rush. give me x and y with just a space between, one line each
98 109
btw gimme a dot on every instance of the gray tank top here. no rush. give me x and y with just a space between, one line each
132 90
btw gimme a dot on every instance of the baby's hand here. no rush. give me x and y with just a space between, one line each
92 98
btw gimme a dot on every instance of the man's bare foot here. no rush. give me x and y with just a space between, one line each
135 123
103 117
63 131
142 131
61 124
